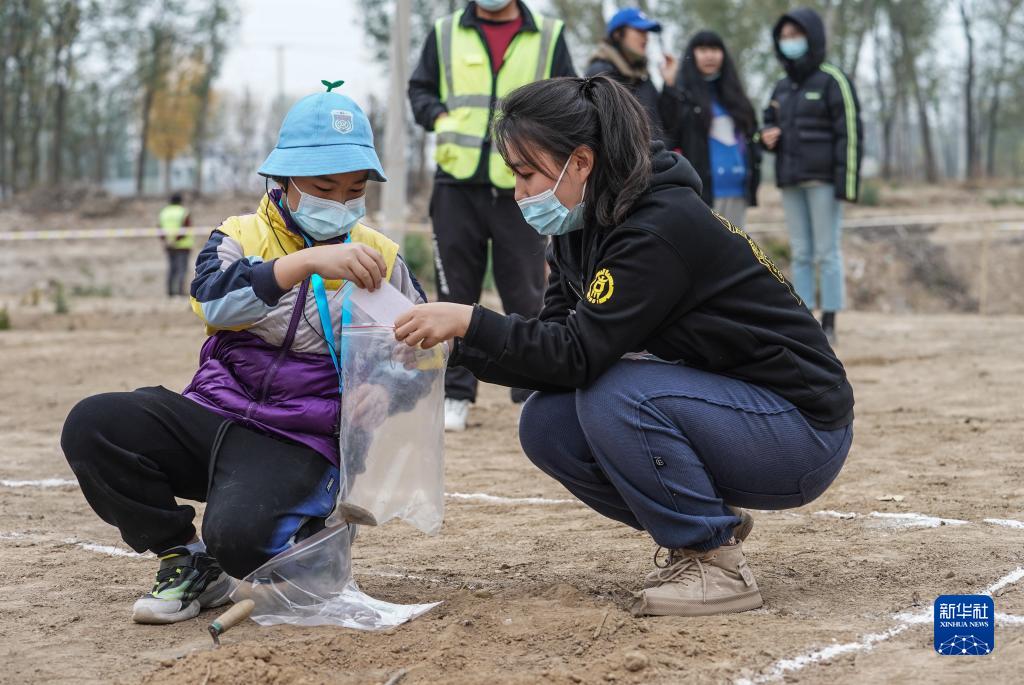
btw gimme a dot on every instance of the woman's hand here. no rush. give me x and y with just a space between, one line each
354 262
427 325
669 69
370 403
770 136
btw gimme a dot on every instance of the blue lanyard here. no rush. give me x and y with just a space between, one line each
320 294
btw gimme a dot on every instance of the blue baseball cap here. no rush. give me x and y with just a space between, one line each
634 18
325 133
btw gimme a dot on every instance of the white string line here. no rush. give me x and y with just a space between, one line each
907 619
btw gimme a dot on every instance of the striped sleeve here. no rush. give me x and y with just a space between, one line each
231 289
849 143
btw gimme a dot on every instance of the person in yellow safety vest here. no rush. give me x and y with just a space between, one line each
174 223
470 60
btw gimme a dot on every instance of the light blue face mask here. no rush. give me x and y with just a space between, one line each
323 219
548 215
493 5
793 48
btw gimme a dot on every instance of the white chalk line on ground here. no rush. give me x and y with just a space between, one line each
1008 523
109 550
892 519
484 498
44 483
899 519
907 619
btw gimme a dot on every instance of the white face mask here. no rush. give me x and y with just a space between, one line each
323 219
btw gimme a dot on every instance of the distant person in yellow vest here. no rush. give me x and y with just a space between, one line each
174 222
471 59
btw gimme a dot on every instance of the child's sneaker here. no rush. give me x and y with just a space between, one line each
186 583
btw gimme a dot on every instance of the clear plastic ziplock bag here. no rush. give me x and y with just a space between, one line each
392 452
392 429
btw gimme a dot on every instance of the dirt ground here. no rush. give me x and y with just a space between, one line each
534 593
930 502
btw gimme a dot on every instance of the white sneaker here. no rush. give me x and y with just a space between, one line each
455 414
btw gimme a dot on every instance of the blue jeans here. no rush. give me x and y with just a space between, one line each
664 448
815 217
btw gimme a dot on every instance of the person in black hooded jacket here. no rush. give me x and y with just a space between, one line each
678 374
714 126
813 126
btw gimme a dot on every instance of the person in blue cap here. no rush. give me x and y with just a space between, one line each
255 434
622 55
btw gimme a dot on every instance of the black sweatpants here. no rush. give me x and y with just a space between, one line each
135 452
466 218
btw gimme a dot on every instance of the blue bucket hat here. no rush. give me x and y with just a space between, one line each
325 133
634 18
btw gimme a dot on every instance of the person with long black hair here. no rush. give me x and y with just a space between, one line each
678 374
715 128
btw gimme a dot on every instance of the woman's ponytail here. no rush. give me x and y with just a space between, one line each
624 158
558 116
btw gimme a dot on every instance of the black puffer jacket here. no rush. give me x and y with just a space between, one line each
816 107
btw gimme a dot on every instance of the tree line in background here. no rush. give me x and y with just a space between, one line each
96 89
92 90
928 115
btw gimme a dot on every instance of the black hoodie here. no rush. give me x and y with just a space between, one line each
817 109
678 281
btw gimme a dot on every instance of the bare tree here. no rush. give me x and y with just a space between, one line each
970 129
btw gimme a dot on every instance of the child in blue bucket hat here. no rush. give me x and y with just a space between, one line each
255 434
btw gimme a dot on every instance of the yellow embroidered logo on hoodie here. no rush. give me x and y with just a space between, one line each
601 288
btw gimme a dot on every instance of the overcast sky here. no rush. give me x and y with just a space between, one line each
322 39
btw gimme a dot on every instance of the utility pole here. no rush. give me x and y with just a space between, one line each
279 49
395 133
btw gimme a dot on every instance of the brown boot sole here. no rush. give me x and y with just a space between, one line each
734 604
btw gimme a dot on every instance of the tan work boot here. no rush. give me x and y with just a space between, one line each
696 583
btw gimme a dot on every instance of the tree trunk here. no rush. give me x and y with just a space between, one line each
992 134
931 172
140 162
972 165
886 111
199 136
152 82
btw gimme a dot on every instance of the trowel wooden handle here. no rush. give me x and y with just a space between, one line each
235 615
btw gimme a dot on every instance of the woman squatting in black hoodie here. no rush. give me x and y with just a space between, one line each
679 377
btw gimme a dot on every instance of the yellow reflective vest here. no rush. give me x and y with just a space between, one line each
469 87
172 223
